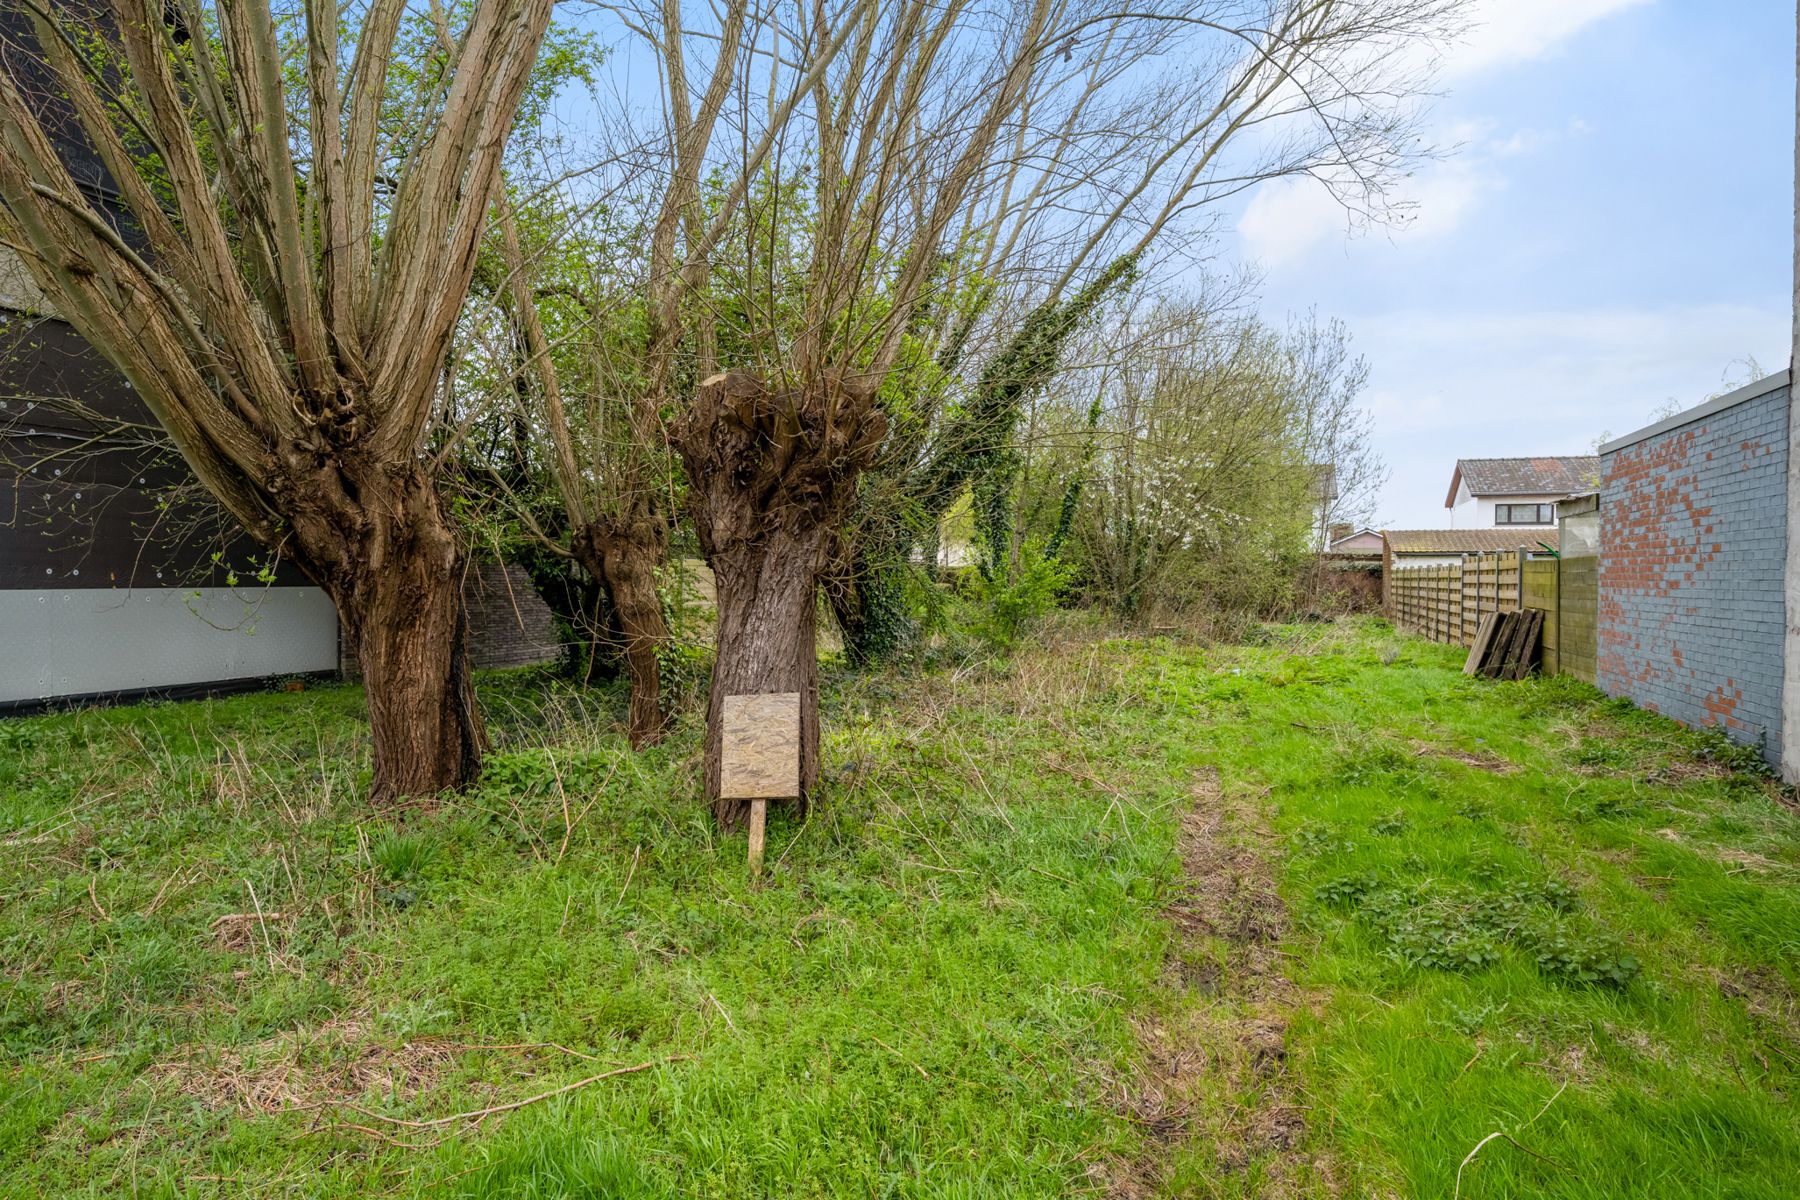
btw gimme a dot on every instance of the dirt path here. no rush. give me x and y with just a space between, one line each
1214 1092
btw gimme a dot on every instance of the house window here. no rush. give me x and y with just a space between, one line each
1524 514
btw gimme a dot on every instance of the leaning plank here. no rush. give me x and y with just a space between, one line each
1506 666
1484 638
1505 646
1520 659
1528 652
1503 631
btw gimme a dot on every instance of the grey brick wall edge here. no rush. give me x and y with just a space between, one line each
1692 609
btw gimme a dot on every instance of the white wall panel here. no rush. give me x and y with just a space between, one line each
81 641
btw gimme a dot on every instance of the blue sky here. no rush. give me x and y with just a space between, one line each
1615 231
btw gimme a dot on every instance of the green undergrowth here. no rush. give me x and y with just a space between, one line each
1514 907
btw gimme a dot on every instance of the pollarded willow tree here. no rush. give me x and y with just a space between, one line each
649 329
275 252
893 136
1122 156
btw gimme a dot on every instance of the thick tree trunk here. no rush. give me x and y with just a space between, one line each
767 642
587 626
623 554
771 475
380 543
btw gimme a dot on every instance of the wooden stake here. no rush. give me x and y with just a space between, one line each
759 815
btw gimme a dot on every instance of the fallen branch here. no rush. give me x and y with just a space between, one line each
723 1013
521 1046
480 1113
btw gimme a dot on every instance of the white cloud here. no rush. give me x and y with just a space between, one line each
1287 220
1504 32
1530 141
1443 195
1445 386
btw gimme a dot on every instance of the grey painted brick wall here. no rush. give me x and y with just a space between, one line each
509 623
1692 559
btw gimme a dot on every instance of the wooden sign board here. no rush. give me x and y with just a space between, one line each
759 757
760 747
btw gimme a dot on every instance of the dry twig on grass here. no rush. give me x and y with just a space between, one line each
495 1110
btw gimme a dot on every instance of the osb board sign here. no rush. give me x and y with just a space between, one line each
760 747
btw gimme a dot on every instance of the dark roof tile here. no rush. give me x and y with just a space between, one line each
1526 476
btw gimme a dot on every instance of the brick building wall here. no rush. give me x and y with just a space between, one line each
509 623
1693 549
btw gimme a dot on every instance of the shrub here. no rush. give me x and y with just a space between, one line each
1016 596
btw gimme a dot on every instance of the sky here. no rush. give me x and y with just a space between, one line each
1613 233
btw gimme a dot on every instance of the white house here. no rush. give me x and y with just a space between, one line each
1507 493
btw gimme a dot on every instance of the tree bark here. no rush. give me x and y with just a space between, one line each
623 552
380 543
771 476
767 642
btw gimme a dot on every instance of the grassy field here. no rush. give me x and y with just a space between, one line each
1316 916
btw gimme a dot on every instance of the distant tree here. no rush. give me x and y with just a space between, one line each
1196 435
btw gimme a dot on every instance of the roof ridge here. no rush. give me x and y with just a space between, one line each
1525 457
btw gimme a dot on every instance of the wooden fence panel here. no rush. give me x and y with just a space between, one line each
1580 589
1447 603
1539 583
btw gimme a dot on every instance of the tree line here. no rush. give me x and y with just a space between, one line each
801 284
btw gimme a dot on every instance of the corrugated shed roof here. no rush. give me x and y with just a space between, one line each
1525 476
1467 541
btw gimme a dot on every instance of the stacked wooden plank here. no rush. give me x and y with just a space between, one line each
1506 645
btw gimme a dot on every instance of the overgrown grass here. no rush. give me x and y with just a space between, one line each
1514 907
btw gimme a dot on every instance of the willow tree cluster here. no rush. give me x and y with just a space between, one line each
395 308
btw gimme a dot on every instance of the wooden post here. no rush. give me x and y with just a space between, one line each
759 758
1480 557
1559 608
759 823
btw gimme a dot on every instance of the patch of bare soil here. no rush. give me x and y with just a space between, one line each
305 1069
1213 1074
1768 999
1678 771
